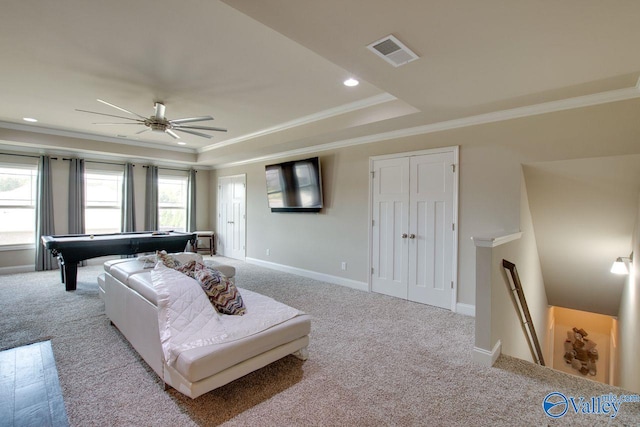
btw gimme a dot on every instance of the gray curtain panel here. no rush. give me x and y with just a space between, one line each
151 199
44 215
76 196
128 200
191 202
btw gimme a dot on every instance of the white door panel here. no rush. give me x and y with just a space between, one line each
431 220
232 217
390 209
412 236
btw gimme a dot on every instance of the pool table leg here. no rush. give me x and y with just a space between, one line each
61 267
70 275
69 271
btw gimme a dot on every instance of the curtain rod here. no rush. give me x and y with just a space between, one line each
103 163
172 169
96 161
25 155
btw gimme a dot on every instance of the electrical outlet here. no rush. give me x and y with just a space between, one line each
343 266
268 252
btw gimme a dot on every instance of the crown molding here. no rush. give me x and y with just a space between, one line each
497 116
91 137
321 115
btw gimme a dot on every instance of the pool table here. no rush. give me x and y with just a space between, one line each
73 248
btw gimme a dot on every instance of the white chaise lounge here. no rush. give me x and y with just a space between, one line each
131 303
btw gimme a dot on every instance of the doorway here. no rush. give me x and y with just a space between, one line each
413 226
232 216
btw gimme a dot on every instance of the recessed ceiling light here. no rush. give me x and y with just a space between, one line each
351 82
29 119
182 143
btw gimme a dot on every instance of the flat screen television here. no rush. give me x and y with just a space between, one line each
295 186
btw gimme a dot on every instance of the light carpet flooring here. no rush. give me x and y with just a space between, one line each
374 361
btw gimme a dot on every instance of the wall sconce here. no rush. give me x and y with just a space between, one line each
620 265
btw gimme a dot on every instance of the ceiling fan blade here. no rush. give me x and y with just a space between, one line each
121 109
172 133
180 127
117 123
192 132
111 115
191 119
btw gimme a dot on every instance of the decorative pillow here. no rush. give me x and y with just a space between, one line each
185 257
221 291
149 260
167 260
177 258
188 268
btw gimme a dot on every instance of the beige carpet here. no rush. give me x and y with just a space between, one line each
374 360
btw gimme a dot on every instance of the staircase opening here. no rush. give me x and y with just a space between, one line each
583 344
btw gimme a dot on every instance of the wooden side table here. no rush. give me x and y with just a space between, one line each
205 236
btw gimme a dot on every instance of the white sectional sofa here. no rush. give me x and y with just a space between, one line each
131 303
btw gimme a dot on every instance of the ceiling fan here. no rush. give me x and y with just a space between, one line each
159 123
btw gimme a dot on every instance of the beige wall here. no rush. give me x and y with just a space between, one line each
505 323
491 156
629 324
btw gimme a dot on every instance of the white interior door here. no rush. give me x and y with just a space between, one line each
231 231
390 186
413 227
431 229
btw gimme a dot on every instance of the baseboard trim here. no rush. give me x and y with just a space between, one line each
466 309
18 269
485 357
354 284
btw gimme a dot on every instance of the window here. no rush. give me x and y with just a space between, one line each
18 186
103 201
172 203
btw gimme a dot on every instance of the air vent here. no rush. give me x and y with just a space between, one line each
393 51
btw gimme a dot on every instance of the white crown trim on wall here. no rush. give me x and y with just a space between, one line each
321 115
497 116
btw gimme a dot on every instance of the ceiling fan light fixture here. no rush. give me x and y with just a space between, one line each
157 127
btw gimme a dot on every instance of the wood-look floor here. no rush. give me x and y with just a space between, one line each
30 392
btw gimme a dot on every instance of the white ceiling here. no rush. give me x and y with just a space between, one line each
271 72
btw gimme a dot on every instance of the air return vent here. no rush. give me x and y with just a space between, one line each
393 51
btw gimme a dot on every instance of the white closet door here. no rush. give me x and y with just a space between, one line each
231 233
431 229
390 226
413 237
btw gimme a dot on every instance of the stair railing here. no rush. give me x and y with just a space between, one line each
522 309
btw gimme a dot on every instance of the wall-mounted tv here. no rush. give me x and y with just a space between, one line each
295 186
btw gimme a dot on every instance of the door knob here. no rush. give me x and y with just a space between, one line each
412 236
404 235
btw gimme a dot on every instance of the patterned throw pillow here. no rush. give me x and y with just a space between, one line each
188 268
167 260
221 291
